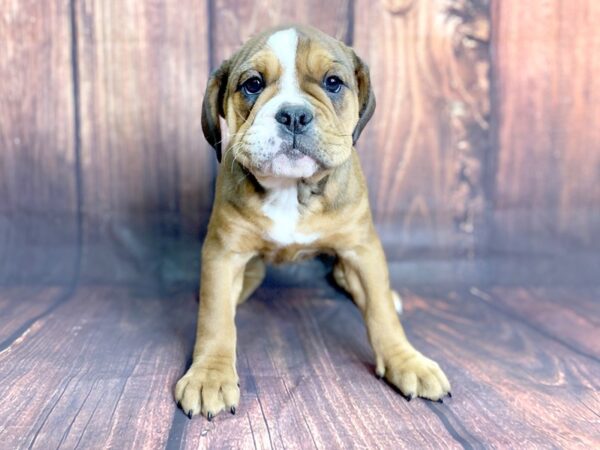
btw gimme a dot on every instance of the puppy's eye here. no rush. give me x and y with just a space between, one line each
253 86
333 84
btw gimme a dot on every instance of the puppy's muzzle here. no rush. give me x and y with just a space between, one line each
295 130
294 119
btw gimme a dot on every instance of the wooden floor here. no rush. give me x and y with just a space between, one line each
93 366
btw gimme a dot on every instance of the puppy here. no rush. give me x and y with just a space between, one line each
295 101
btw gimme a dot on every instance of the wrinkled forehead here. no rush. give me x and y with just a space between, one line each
301 52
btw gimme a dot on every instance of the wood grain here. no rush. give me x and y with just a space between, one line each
516 375
101 367
571 314
36 107
143 68
18 305
38 155
548 98
119 402
424 151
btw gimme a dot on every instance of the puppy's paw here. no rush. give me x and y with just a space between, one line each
208 390
415 375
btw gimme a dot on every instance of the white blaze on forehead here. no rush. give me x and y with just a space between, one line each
284 44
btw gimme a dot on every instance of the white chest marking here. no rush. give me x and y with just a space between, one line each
281 206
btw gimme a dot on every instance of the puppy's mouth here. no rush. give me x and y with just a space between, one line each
292 160
296 149
292 153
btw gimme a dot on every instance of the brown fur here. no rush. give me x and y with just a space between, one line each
333 204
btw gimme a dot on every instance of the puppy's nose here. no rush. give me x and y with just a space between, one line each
295 118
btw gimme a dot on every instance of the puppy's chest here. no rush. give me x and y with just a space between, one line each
281 206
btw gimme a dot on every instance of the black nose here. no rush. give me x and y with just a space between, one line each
294 118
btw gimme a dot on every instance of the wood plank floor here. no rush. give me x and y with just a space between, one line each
94 367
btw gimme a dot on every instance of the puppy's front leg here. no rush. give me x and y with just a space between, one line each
211 383
366 274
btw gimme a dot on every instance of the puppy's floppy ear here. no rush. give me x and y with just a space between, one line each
366 97
212 106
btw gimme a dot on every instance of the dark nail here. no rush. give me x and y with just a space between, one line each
179 405
439 400
450 394
209 416
189 414
233 410
408 397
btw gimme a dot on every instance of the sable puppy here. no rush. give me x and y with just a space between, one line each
295 101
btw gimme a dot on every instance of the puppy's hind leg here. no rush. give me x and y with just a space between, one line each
254 274
348 280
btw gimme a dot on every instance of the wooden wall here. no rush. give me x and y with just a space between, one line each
486 127
38 154
547 153
425 148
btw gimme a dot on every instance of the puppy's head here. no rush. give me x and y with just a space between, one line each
295 101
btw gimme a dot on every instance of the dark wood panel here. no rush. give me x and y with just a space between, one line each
548 93
101 366
425 148
143 66
38 155
143 69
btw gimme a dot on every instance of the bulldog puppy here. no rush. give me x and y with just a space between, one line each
295 101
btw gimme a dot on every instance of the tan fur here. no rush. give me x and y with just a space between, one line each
333 205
